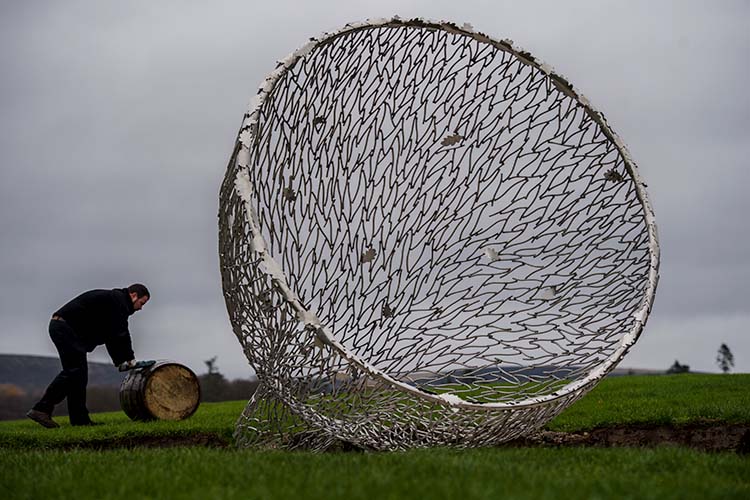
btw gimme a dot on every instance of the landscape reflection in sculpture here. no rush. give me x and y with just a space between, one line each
427 237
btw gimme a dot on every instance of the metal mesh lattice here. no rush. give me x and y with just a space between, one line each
427 237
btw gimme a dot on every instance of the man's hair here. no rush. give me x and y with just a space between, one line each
139 290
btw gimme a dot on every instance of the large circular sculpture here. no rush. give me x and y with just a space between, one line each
427 237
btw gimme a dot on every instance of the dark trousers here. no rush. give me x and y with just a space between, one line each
71 381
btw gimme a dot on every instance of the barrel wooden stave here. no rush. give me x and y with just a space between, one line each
165 391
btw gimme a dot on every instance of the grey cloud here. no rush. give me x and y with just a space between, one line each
119 118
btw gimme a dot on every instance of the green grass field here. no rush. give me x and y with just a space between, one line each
43 463
661 399
431 474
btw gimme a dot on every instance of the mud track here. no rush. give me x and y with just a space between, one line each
205 439
705 436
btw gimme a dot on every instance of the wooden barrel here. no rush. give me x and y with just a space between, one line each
165 391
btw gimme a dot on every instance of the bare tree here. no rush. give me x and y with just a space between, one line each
211 365
725 358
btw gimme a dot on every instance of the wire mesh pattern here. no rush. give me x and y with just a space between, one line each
427 237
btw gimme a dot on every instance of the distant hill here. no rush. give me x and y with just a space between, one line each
34 373
515 374
617 372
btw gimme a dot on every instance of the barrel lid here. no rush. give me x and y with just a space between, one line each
172 391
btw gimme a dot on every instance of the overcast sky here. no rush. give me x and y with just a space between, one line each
118 119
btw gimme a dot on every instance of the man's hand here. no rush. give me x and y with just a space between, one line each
134 365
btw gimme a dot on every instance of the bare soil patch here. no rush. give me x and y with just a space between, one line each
704 436
205 439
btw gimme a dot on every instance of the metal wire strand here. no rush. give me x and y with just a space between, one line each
459 219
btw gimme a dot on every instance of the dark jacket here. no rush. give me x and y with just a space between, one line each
101 317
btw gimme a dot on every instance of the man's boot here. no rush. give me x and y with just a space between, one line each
44 419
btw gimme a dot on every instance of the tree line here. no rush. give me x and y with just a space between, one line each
724 360
215 387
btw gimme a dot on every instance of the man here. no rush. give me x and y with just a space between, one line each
93 318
